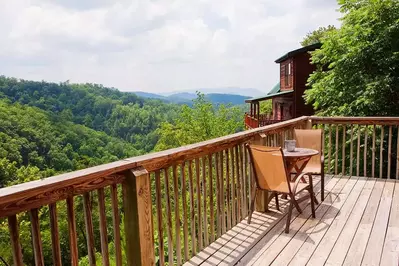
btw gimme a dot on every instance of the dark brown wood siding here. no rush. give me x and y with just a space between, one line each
284 104
286 83
302 70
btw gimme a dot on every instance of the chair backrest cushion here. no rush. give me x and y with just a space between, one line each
311 139
269 168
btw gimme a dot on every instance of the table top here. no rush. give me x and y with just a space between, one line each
300 152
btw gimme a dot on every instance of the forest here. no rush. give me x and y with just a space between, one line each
48 128
63 127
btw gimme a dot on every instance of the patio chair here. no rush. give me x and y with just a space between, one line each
312 139
271 174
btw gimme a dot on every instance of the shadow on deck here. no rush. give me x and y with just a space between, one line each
358 223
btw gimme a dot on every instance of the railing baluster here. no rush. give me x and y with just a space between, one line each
212 218
246 179
73 241
169 216
329 147
192 209
242 182
351 153
373 155
103 227
343 148
223 199
397 153
55 241
365 151
185 221
205 197
89 229
238 182
381 150
116 224
177 214
358 151
233 189
389 151
218 198
199 211
36 239
14 236
228 189
336 148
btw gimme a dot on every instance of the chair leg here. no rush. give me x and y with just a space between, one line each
322 186
296 205
312 202
277 204
252 207
287 226
315 199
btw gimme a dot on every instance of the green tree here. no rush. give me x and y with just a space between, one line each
266 107
318 35
201 122
358 65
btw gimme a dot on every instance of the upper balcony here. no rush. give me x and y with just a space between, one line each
188 205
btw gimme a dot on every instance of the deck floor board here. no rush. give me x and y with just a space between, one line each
358 223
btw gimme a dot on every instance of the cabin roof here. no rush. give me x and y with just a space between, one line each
274 92
308 48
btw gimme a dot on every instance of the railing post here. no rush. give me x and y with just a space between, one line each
309 124
138 217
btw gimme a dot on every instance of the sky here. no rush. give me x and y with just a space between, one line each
156 45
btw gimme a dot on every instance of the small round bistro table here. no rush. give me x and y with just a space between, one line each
298 159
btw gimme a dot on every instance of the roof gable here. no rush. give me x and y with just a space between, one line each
293 53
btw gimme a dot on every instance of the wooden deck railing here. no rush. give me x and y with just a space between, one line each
165 207
259 121
361 146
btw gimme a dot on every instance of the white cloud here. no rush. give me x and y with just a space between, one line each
155 45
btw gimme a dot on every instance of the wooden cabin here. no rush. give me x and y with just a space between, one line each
287 95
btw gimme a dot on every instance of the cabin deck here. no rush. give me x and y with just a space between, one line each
357 224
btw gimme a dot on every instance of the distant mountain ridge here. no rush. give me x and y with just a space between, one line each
249 92
187 97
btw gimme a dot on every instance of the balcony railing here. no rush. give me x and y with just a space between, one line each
259 121
177 202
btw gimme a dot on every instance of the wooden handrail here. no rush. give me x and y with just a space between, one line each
356 120
25 196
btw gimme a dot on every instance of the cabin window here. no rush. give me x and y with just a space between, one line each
287 74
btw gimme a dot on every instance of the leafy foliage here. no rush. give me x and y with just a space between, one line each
358 64
201 122
119 114
266 107
31 137
317 36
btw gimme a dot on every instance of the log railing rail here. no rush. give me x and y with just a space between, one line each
176 202
260 120
376 153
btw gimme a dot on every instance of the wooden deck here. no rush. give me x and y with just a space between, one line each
357 224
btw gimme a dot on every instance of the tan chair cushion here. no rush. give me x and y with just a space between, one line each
311 139
283 187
